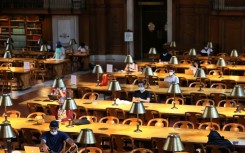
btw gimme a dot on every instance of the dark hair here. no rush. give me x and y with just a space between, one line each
171 68
198 63
164 50
141 82
82 44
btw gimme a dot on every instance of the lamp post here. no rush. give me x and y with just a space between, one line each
192 53
152 52
147 71
114 86
128 60
98 70
221 63
173 143
137 108
72 42
200 74
6 132
210 112
5 101
175 89
234 56
69 104
237 91
86 137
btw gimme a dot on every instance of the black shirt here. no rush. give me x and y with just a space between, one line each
166 57
144 95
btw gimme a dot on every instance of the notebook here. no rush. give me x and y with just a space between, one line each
48 118
52 97
31 149
163 84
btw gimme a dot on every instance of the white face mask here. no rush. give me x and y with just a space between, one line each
54 133
141 88
171 73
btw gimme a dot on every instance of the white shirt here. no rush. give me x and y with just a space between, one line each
83 49
172 78
207 50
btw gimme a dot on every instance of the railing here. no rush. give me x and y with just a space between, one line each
43 4
228 4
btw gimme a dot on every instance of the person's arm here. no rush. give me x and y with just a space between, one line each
44 146
176 79
147 100
126 68
136 69
71 142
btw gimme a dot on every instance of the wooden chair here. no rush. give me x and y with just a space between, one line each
218 85
103 141
122 143
205 102
16 142
35 114
152 80
154 97
81 111
229 83
82 90
117 112
205 62
31 136
185 62
141 150
109 120
91 95
150 114
234 127
227 103
90 149
215 72
92 119
222 54
132 121
161 70
217 149
197 84
193 117
178 100
207 126
35 107
157 144
158 122
195 96
129 79
40 69
184 124
183 82
52 109
6 65
12 113
239 119
7 79
217 97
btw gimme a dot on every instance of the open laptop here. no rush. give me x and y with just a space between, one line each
163 84
48 118
32 149
53 97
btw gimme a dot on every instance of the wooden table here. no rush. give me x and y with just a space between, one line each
57 66
189 77
186 135
101 105
22 75
85 58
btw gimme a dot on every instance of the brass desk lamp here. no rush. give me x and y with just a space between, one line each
237 91
175 89
128 60
173 143
137 108
152 52
210 112
98 70
86 137
114 86
200 74
69 104
5 100
221 63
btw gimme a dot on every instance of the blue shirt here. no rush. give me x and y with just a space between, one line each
55 142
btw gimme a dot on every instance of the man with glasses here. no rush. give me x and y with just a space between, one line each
53 140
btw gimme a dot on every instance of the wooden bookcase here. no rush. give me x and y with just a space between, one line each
24 30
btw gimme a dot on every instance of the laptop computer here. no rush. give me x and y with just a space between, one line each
48 118
32 149
163 84
53 97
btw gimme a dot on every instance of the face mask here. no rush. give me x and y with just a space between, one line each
54 133
171 73
165 54
141 88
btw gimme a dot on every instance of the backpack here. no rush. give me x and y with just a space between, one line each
214 138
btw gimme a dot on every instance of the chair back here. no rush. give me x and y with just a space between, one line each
158 122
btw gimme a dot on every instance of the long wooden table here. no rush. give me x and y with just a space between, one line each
190 77
101 105
186 135
22 75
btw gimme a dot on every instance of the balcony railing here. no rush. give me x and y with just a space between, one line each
43 4
228 4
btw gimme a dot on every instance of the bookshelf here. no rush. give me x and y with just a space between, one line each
24 30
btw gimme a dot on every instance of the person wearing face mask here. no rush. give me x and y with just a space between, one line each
165 56
195 65
141 95
53 140
206 51
171 78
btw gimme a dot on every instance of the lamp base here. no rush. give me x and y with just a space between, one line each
6 122
200 90
174 107
69 126
237 111
137 130
220 76
114 104
70 123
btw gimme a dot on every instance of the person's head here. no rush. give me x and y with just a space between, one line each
164 51
196 63
141 85
58 44
54 126
171 71
82 44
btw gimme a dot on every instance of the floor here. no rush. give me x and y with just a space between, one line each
42 88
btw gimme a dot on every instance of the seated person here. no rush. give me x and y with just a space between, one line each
195 65
59 51
83 48
132 67
165 56
171 78
206 51
141 95
53 140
